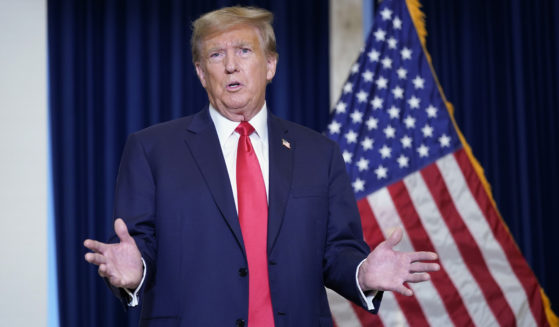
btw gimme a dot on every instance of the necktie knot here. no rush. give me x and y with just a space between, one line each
244 128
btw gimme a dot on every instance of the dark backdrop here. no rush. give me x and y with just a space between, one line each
118 66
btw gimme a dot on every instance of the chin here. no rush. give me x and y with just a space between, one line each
236 107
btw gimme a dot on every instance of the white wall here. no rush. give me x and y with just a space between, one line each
23 163
346 39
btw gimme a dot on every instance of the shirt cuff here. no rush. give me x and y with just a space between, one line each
134 298
367 298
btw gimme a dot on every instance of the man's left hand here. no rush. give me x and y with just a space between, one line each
387 270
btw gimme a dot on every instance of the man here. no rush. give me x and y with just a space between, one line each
233 216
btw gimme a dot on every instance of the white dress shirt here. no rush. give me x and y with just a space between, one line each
228 139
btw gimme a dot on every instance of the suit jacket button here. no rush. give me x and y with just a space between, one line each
243 272
240 323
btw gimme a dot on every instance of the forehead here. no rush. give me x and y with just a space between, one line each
237 35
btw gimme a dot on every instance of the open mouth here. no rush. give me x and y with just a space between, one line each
233 86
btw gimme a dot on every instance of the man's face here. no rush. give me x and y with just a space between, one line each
234 70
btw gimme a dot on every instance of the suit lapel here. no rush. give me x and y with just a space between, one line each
281 164
204 144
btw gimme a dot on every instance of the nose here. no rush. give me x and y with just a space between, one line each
231 64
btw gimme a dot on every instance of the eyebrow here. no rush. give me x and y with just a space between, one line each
237 44
243 44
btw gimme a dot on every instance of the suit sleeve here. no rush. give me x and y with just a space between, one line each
345 248
135 204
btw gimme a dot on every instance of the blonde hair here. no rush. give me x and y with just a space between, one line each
223 19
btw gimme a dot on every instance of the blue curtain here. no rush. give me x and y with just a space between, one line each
118 66
498 64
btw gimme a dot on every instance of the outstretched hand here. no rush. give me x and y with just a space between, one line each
387 270
120 263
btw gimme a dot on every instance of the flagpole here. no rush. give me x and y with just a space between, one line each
368 17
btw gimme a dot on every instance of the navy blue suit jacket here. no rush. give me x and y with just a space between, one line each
173 192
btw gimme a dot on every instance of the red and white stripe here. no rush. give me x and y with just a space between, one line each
483 281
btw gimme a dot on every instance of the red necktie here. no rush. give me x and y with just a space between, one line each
253 216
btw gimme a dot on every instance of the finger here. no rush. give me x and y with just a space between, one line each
95 246
403 290
112 278
424 266
418 278
95 258
395 237
423 256
103 271
122 231
116 282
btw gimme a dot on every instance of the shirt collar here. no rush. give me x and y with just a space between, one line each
226 127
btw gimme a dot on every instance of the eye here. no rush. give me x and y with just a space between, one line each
215 56
246 50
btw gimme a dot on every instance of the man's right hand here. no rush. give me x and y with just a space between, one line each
121 263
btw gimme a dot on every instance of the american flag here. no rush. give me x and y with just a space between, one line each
410 167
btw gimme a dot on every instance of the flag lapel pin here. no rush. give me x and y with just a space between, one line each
285 143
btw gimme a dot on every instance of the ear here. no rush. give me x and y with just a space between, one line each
271 63
201 73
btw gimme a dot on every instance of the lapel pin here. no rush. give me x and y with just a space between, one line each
285 143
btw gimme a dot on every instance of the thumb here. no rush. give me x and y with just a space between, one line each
122 231
395 237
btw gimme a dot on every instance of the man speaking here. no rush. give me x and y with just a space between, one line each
235 217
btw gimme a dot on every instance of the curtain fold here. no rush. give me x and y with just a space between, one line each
118 66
